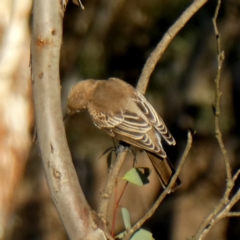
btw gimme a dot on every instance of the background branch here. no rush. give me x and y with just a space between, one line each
162 45
15 100
220 59
222 209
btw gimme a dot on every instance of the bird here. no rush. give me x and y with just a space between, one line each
124 113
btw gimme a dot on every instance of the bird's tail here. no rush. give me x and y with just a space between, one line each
164 170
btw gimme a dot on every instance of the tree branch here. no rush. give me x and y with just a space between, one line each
220 59
111 181
223 208
164 193
61 176
162 45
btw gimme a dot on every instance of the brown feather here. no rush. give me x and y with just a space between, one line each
164 170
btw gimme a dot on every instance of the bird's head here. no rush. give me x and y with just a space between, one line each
80 95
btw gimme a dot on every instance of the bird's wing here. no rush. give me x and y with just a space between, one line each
137 131
128 126
104 120
154 118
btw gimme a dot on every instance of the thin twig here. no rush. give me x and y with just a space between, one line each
80 4
162 45
223 209
112 177
236 175
164 193
233 200
233 214
220 59
214 217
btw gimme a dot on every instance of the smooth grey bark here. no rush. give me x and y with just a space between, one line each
61 176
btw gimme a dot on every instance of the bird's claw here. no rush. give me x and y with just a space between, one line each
122 148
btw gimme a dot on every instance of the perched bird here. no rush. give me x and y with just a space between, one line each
124 113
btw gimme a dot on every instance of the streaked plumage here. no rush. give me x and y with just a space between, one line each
124 113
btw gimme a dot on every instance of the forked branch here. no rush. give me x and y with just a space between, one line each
223 209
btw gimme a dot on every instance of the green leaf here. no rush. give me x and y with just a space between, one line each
120 235
126 218
136 176
133 176
142 234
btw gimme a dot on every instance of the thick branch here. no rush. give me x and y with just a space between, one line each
60 173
